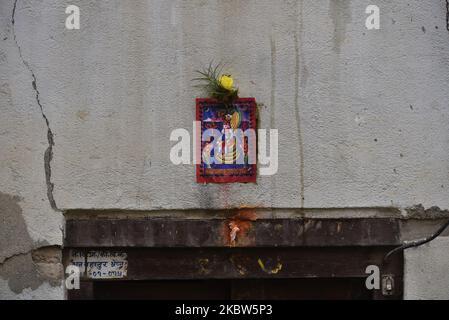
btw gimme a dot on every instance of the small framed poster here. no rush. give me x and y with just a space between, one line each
228 140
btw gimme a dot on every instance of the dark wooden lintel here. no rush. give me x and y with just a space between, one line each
163 232
256 263
244 263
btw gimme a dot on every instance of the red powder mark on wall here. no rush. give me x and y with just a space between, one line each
237 227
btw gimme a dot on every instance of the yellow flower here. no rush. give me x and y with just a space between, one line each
226 82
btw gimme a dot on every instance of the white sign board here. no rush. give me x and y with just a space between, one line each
100 264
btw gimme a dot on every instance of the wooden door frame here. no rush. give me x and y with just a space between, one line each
183 249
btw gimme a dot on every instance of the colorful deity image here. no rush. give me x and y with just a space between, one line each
228 141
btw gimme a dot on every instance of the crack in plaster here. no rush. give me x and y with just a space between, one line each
48 155
32 268
12 256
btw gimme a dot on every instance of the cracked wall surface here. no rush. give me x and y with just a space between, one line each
86 114
48 155
29 225
362 115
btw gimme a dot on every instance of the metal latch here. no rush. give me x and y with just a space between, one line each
387 284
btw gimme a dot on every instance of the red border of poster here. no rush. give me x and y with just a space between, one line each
226 178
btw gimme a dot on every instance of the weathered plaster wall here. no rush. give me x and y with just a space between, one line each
30 230
362 115
426 271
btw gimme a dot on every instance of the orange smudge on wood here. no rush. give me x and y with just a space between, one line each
247 214
236 228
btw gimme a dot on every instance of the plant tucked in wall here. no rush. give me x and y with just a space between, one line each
227 156
217 85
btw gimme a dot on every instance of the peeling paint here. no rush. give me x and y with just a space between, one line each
32 269
20 272
23 263
14 236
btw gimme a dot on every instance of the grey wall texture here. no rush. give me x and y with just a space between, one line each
426 270
86 115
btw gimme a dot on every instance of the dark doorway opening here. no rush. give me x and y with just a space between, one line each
272 259
254 289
